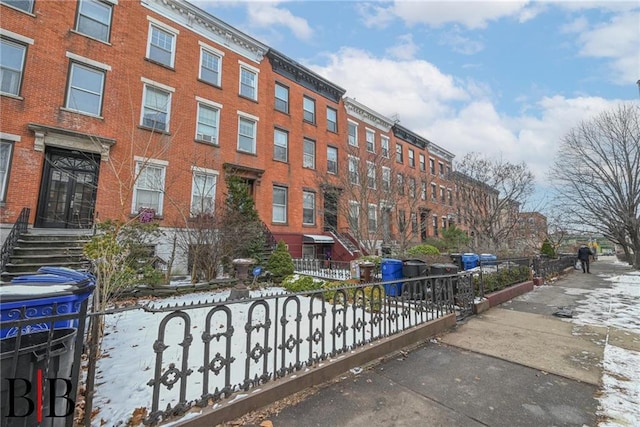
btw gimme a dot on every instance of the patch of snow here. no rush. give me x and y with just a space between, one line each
620 398
33 290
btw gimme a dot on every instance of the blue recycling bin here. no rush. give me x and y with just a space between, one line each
392 270
488 259
470 260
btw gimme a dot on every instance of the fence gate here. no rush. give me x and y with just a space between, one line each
463 296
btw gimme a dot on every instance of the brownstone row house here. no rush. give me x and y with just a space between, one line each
111 107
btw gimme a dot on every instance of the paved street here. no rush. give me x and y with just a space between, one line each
515 365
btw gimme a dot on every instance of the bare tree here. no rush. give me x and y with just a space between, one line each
492 192
597 176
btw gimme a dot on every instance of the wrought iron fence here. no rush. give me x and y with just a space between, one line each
545 267
326 269
246 343
18 228
497 274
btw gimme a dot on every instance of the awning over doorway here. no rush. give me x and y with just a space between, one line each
316 238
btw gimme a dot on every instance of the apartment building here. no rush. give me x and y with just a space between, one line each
112 108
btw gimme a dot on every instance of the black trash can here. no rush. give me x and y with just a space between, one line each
411 268
456 259
444 270
33 368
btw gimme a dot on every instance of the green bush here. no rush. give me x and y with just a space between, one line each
298 283
547 249
355 295
423 250
280 263
502 279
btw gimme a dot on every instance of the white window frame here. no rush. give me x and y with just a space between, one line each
372 217
370 138
275 206
206 173
400 183
371 175
17 6
411 155
306 111
213 106
412 187
278 144
6 154
148 84
354 214
384 146
246 69
140 164
72 87
332 122
423 190
157 25
284 101
205 49
308 158
330 161
386 178
399 153
18 73
354 173
423 164
353 139
99 4
432 166
443 199
434 192
309 204
254 120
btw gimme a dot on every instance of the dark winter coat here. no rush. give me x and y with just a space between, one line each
584 253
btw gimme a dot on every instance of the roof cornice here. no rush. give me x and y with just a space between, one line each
366 114
300 74
212 28
411 137
440 152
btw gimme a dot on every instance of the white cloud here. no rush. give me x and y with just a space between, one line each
374 16
405 48
459 43
268 14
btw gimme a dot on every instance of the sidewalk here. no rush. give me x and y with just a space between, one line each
515 365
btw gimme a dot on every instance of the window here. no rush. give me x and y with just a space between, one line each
86 86
148 192
434 192
353 134
386 178
354 215
332 119
308 207
246 135
400 182
432 166
412 159
435 225
25 5
280 145
442 198
248 83
402 221
414 223
203 193
371 175
441 167
332 160
156 108
373 218
94 19
412 188
282 98
6 149
210 67
448 170
384 146
399 158
161 47
450 197
423 166
279 204
12 57
423 190
309 157
207 126
354 176
370 136
309 107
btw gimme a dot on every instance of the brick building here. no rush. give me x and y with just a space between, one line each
112 107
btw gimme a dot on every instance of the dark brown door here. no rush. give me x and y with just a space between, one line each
68 189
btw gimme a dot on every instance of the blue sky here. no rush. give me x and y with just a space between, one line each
508 78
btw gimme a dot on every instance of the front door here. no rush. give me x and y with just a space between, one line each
68 189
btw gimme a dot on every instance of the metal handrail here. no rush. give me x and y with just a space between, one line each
19 227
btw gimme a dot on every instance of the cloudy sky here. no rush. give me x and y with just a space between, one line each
508 78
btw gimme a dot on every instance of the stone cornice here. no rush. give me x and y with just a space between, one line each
203 23
440 152
411 137
298 73
366 114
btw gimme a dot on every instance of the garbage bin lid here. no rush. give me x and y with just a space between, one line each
41 278
67 272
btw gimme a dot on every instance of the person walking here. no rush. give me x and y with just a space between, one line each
583 255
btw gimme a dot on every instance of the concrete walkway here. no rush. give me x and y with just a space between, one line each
515 365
